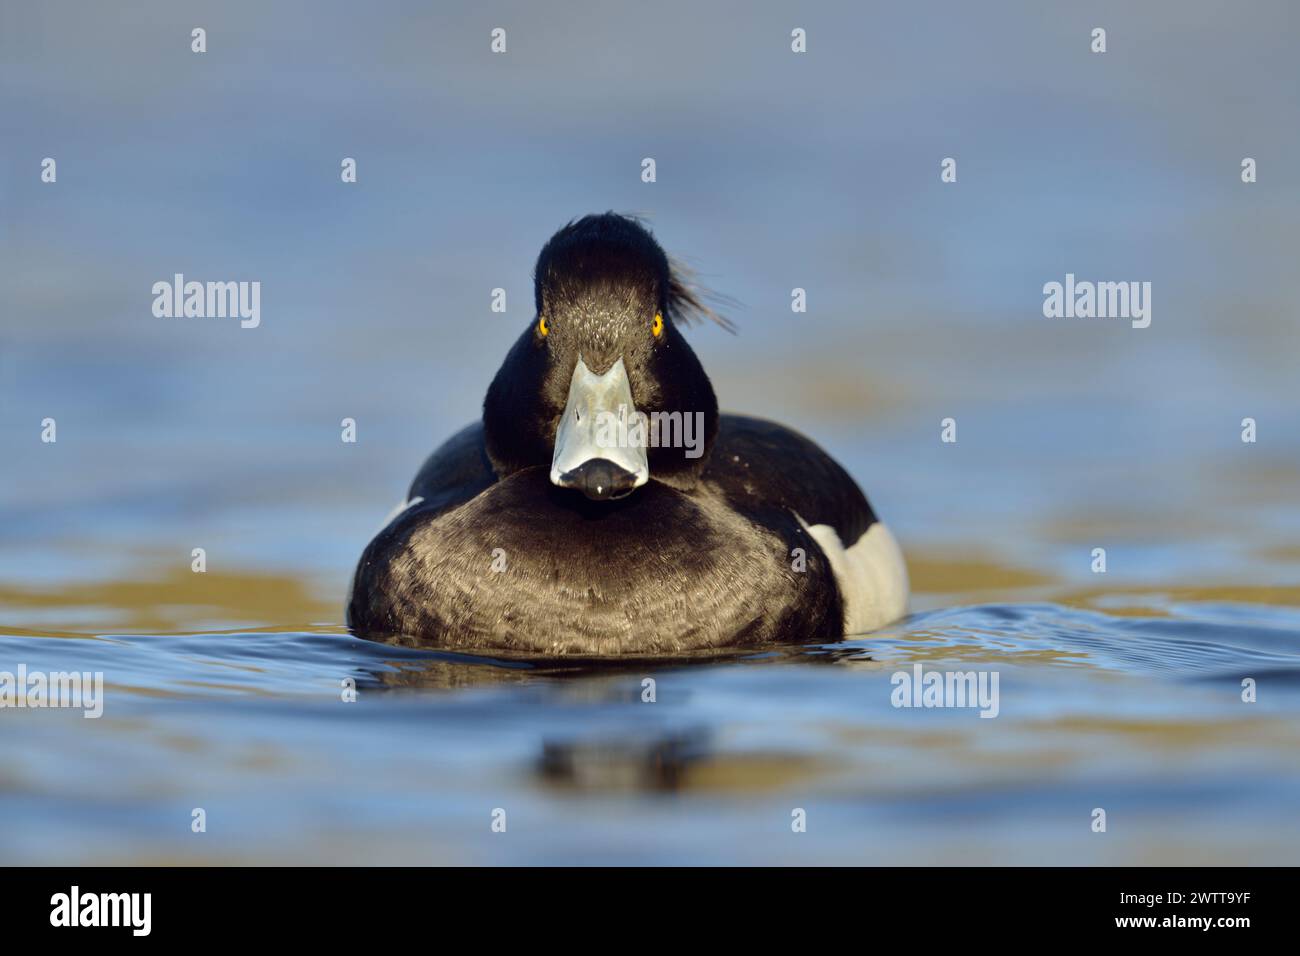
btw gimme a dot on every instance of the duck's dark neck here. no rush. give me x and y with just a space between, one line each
519 418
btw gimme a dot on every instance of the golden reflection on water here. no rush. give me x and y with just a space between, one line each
153 600
150 599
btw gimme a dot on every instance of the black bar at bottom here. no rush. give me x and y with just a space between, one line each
333 905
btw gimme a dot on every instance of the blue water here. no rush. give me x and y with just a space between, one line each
1119 690
1140 717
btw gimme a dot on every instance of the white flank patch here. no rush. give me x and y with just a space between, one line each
871 575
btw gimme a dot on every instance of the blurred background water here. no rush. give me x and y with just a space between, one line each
775 171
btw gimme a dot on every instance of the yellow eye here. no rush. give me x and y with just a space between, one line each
541 325
657 329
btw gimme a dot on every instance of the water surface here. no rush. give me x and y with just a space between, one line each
1119 691
1139 714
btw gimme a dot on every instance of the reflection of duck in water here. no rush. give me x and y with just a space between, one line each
544 528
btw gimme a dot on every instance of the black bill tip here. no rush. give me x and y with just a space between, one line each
600 479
